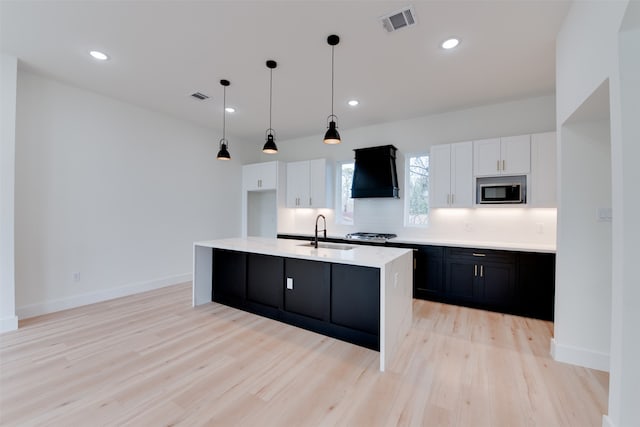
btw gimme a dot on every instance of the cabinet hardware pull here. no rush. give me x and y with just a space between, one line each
453 197
414 264
482 271
504 165
448 198
497 165
310 202
477 254
475 270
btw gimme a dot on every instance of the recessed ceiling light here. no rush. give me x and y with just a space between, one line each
99 55
230 110
353 102
450 43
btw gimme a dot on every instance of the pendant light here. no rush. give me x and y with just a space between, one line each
223 154
332 136
270 144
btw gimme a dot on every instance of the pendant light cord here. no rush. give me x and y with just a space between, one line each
270 94
332 55
224 112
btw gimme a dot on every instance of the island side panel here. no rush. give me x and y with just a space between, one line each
396 287
202 274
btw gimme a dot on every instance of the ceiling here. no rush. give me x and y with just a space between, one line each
163 51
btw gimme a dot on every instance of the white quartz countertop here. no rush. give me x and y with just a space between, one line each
435 241
369 256
505 246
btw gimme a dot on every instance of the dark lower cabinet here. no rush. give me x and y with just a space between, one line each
265 278
355 297
521 283
460 282
427 272
536 285
483 278
307 288
338 300
229 277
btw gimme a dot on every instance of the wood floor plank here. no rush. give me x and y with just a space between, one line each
153 359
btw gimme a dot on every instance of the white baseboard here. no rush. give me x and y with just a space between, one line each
579 356
606 421
8 324
52 306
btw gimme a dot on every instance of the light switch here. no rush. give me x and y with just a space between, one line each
605 214
289 283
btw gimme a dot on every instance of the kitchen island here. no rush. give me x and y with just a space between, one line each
361 294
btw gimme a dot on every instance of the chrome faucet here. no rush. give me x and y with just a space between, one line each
325 229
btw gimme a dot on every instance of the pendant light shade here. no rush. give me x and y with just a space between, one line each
270 146
270 143
223 153
332 136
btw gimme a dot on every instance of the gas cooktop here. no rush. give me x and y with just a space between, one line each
371 237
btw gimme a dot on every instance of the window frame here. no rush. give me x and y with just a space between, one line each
339 218
407 186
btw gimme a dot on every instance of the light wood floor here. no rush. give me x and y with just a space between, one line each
153 360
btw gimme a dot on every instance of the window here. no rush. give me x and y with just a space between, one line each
417 190
344 213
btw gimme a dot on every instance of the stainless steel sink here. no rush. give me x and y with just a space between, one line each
325 245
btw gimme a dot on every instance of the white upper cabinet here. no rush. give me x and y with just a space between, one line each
502 156
260 176
450 173
542 188
309 184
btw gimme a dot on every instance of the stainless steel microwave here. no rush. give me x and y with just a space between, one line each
501 193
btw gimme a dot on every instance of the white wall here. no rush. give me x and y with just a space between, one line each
113 192
8 83
511 225
583 260
600 41
624 385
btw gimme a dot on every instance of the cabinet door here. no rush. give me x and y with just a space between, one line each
516 155
497 282
251 177
265 280
307 288
427 275
536 285
460 282
461 175
268 176
260 176
355 297
542 190
229 277
319 184
486 157
440 176
298 184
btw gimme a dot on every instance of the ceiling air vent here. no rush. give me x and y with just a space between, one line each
200 96
405 17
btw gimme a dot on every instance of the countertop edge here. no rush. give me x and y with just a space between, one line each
504 246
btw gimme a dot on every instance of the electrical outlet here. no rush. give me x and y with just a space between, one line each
76 276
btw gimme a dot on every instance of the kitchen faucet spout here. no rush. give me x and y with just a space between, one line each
324 230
